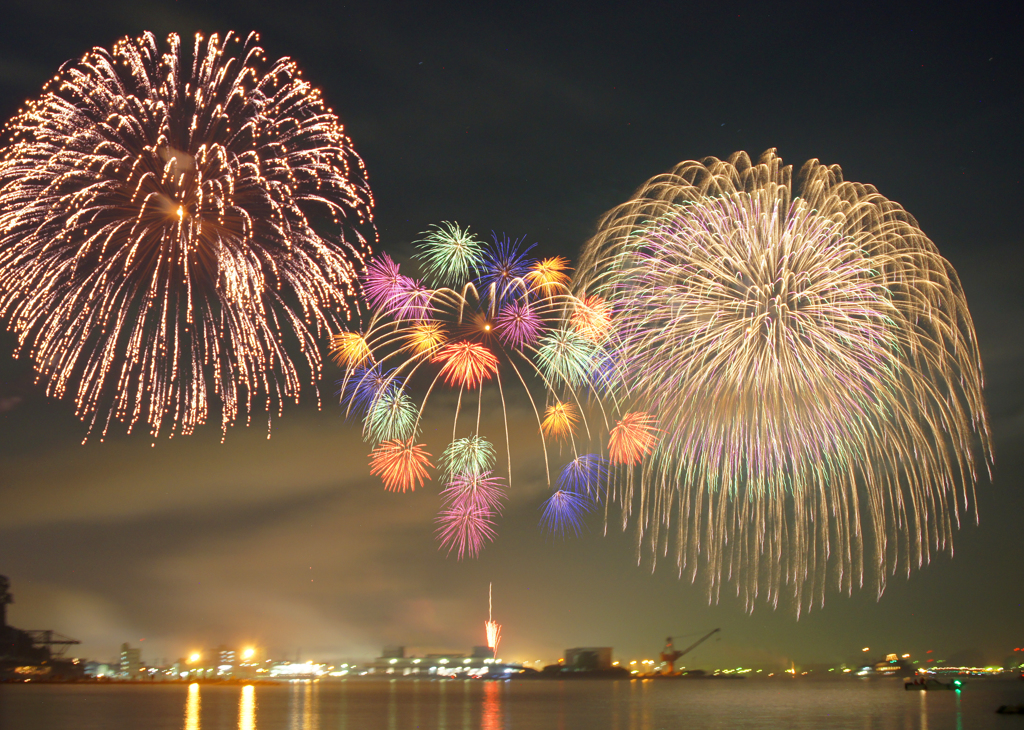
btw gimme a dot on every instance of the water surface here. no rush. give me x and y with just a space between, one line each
534 705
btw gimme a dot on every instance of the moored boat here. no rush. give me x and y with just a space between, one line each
928 684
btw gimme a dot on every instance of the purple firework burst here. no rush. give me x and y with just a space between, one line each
518 324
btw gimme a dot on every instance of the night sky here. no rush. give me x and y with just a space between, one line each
533 121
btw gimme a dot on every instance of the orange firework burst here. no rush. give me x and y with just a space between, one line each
401 465
425 337
493 629
349 348
466 364
548 275
592 318
632 439
559 420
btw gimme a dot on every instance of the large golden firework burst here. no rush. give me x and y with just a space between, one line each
810 359
173 226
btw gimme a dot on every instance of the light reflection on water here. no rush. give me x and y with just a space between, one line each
247 708
505 705
192 708
304 706
491 715
483 705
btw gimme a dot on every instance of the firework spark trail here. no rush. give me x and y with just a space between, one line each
165 231
811 360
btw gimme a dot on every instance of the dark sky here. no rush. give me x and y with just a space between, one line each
532 120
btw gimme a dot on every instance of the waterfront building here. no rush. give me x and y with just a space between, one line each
130 663
394 662
589 658
30 654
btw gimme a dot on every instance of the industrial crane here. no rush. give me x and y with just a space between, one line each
670 655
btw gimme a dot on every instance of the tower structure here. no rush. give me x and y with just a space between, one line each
5 598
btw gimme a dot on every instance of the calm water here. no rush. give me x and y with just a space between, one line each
469 705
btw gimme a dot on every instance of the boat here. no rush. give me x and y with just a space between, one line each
926 684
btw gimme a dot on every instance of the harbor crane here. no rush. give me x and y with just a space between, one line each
670 655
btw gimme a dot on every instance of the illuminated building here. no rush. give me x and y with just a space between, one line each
130 662
226 656
394 662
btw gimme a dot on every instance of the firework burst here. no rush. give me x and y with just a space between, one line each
563 513
586 476
391 416
466 364
551 275
473 455
566 357
476 490
349 348
559 420
633 438
401 465
169 222
811 360
465 529
449 253
504 325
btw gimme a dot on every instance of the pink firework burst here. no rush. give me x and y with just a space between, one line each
465 529
480 491
413 303
383 284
